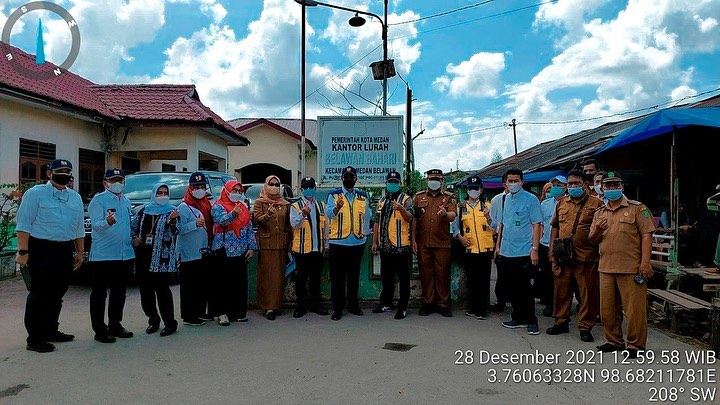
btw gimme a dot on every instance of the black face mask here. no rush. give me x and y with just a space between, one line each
61 178
348 183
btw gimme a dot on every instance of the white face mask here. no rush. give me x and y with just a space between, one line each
116 188
163 200
598 189
199 193
235 197
434 184
474 193
514 187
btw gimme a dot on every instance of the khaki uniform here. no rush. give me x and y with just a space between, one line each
432 235
583 269
274 235
620 256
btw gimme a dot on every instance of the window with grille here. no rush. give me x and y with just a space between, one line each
34 158
91 171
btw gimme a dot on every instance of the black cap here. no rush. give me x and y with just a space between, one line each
434 173
474 182
198 178
114 173
393 175
349 169
307 182
611 176
60 164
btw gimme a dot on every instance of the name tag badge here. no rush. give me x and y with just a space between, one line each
149 240
517 223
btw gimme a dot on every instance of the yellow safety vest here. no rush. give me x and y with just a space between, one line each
350 218
474 226
398 227
302 235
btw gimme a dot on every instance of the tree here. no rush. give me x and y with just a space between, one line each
417 183
496 156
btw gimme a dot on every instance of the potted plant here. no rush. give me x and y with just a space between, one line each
10 195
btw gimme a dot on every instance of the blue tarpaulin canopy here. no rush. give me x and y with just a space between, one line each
663 122
496 182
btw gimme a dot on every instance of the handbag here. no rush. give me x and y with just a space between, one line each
563 251
215 253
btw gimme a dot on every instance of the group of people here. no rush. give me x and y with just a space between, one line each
600 246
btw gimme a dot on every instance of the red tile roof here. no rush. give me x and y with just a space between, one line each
144 104
290 127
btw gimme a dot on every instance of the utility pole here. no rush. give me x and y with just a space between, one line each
302 97
408 137
385 57
513 124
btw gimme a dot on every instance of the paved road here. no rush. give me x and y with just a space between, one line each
315 360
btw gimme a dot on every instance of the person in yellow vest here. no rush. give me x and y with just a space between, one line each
307 217
391 237
471 228
435 209
348 210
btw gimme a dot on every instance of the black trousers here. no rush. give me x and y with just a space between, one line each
390 265
112 275
502 289
231 288
345 266
155 293
544 280
518 271
477 271
193 288
308 268
50 265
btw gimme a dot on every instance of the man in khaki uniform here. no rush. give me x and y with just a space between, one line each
578 207
623 228
435 209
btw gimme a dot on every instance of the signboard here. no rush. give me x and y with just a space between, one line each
372 145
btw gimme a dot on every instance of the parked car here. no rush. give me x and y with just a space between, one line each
138 188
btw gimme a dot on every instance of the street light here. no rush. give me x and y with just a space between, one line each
358 21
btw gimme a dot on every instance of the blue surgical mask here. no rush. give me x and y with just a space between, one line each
308 192
514 187
392 187
556 191
162 200
575 192
613 195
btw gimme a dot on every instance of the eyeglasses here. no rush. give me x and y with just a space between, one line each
274 184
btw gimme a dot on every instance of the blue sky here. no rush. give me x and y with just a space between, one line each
469 70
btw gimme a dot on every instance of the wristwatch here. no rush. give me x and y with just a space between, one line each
535 248
23 252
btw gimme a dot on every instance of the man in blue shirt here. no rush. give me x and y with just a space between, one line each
49 232
112 256
517 251
348 210
544 281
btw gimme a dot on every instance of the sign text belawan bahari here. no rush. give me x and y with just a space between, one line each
373 145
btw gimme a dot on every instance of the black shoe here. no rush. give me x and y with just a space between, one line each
320 310
498 307
60 337
380 309
40 347
152 329
120 332
336 316
609 348
425 310
558 329
167 331
548 311
632 353
586 336
446 312
400 314
270 315
356 312
194 322
105 338
299 313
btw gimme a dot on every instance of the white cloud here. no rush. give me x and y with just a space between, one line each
478 76
682 92
568 14
210 8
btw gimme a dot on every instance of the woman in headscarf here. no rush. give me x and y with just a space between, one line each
195 234
154 237
234 241
271 213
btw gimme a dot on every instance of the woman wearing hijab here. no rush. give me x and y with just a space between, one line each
154 237
272 215
234 241
195 234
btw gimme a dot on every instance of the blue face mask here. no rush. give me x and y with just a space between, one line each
556 191
575 192
309 192
613 195
393 187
